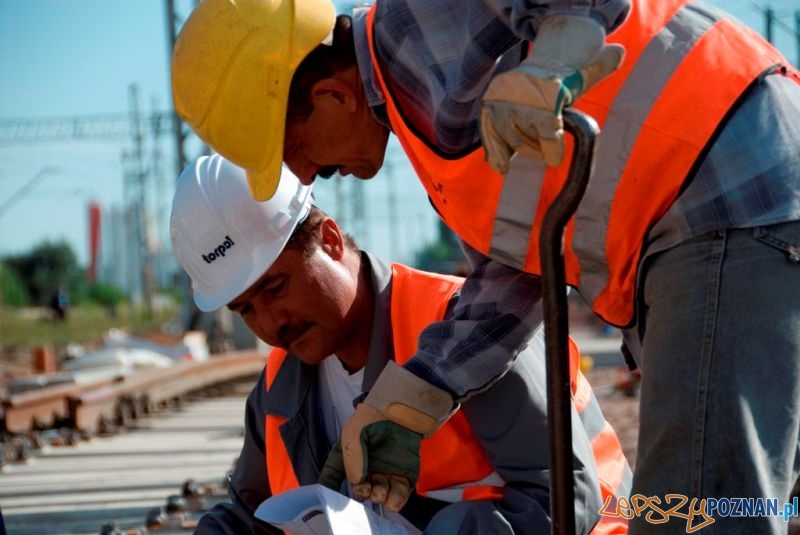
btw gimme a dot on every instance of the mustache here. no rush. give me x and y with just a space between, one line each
327 172
289 333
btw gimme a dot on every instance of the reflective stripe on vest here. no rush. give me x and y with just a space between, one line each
453 466
473 491
657 113
612 467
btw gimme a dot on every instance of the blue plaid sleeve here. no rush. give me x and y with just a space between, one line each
493 319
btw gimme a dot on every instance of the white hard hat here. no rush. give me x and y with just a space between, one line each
223 238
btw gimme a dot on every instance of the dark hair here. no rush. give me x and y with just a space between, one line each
306 235
322 62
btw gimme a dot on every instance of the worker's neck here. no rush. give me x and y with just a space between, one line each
353 353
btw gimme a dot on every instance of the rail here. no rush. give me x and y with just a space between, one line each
99 407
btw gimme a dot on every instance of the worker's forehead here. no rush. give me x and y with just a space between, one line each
286 264
280 269
292 262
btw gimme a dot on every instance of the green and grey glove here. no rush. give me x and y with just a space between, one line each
378 451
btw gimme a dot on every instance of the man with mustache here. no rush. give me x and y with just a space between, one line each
338 317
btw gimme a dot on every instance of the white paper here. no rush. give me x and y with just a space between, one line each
318 510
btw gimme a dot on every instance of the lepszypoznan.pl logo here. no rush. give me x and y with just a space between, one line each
698 513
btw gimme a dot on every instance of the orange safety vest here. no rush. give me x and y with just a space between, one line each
685 68
453 465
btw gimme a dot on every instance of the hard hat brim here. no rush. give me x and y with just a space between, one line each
263 184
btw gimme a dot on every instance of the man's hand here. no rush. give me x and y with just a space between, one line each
521 108
380 456
378 451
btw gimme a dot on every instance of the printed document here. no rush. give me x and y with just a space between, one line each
318 510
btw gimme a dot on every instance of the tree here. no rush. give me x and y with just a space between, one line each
46 267
107 295
12 290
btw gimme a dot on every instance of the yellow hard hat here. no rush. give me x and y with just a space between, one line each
232 67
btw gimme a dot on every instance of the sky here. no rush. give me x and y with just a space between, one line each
79 58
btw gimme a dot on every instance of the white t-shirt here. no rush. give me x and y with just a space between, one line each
338 389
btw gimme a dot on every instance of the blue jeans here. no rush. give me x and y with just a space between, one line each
719 320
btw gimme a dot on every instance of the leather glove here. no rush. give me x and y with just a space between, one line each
378 451
386 457
521 108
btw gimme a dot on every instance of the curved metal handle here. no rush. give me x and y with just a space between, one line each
556 330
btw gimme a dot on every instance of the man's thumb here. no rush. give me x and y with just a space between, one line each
604 63
332 474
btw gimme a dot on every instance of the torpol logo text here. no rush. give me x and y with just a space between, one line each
219 250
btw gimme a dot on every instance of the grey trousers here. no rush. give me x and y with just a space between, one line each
719 321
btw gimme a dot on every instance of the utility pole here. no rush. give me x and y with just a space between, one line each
178 128
160 211
180 133
797 36
128 259
769 23
139 176
773 20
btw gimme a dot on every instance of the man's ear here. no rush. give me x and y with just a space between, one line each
333 92
331 239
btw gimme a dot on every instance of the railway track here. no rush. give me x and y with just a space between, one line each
146 453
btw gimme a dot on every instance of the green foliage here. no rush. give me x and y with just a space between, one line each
46 267
105 294
12 290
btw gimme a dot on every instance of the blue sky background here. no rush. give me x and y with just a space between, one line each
62 58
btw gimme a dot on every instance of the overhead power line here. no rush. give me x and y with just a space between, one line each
83 127
26 188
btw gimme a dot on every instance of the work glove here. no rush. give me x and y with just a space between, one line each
378 451
521 108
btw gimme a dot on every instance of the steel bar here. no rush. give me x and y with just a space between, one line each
554 296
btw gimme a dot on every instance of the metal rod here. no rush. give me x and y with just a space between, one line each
556 329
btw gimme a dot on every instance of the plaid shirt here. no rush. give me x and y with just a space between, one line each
440 56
